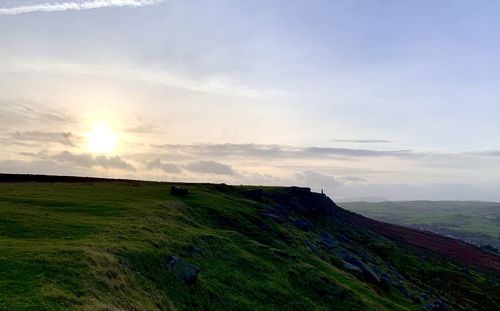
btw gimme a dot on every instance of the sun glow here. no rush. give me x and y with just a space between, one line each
102 139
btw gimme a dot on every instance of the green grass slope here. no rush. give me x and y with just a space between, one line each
102 246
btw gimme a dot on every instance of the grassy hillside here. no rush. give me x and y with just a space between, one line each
473 222
105 246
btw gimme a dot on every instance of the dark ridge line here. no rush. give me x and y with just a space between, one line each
41 178
35 178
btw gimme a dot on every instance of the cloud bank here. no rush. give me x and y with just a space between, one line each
63 138
277 151
165 167
210 167
87 160
74 5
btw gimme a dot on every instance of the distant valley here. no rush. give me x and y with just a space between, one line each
474 222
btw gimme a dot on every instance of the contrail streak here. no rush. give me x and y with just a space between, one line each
74 5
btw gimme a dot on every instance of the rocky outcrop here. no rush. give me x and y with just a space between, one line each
303 201
352 268
327 240
367 271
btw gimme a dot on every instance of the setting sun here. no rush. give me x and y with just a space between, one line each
102 139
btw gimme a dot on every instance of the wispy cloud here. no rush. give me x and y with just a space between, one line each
219 85
74 5
23 112
362 141
297 157
64 138
278 151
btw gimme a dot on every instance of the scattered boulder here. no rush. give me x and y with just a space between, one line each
178 191
340 252
367 271
181 269
351 267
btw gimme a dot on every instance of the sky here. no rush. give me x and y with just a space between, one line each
373 100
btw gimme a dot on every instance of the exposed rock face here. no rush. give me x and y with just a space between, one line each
182 269
327 240
303 201
333 232
300 190
318 204
351 267
367 271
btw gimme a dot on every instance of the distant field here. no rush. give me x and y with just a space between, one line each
471 221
